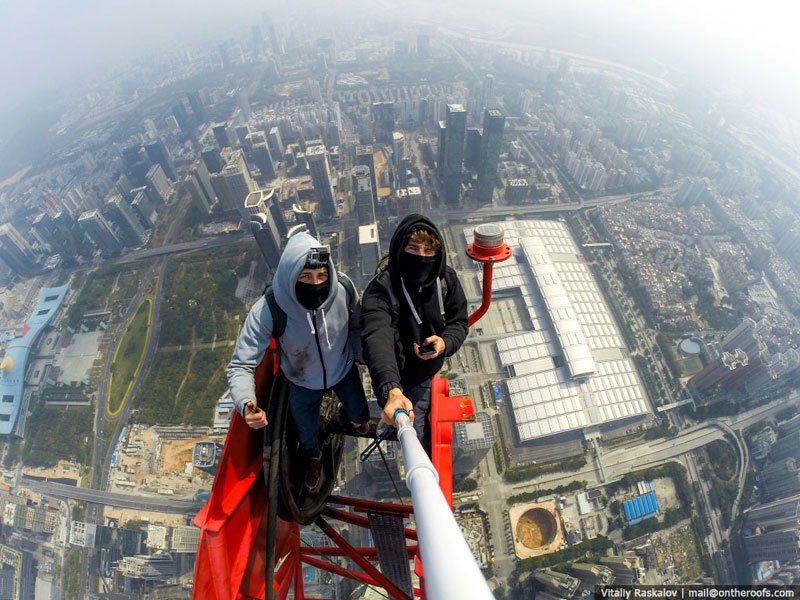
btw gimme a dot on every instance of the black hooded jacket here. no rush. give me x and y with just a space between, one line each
388 328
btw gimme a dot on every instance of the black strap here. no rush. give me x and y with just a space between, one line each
278 315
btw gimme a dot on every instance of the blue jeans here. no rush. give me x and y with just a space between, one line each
420 396
305 405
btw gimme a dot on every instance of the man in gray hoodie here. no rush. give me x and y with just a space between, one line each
316 351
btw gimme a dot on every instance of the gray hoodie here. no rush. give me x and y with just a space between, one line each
314 349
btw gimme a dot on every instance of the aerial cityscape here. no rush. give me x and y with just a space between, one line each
635 381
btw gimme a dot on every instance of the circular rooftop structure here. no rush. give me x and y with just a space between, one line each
690 346
536 528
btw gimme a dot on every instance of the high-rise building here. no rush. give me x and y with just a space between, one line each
317 157
626 568
362 190
441 130
275 142
203 178
157 180
263 159
56 233
243 100
366 158
193 187
15 251
158 154
100 232
456 129
782 478
411 202
491 145
771 531
233 184
305 217
144 208
259 208
17 574
223 135
212 159
155 567
198 108
136 166
561 583
182 117
472 149
369 248
383 121
128 227
719 370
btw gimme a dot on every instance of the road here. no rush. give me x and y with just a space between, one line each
144 503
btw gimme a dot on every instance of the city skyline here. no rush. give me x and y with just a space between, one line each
635 382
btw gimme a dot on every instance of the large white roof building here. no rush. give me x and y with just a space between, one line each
573 370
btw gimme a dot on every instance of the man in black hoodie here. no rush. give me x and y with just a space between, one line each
413 316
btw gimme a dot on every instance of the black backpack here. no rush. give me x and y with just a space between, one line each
279 316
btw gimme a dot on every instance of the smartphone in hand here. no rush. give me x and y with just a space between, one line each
427 349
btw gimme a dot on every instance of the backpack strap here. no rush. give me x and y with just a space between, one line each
350 288
278 315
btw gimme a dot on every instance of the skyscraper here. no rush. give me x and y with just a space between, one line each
128 227
263 160
212 159
456 129
362 190
223 135
243 100
275 142
198 108
158 154
366 158
259 209
301 215
319 167
233 184
182 117
144 208
157 180
100 232
383 121
472 149
203 178
369 248
15 251
491 144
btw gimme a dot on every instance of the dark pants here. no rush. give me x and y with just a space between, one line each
305 405
420 396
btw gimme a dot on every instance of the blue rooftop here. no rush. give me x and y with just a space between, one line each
14 364
640 508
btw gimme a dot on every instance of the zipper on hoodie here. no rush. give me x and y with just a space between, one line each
319 349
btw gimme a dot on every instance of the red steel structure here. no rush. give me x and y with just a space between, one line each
248 550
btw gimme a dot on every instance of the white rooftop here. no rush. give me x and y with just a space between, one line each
572 371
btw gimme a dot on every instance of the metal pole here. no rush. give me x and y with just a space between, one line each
451 572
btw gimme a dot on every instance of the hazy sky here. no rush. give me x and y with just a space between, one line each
44 42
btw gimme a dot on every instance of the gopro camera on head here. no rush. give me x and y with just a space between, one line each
318 257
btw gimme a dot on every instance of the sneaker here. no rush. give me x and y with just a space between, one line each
360 428
313 473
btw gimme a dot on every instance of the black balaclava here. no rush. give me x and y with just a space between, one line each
416 269
311 295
